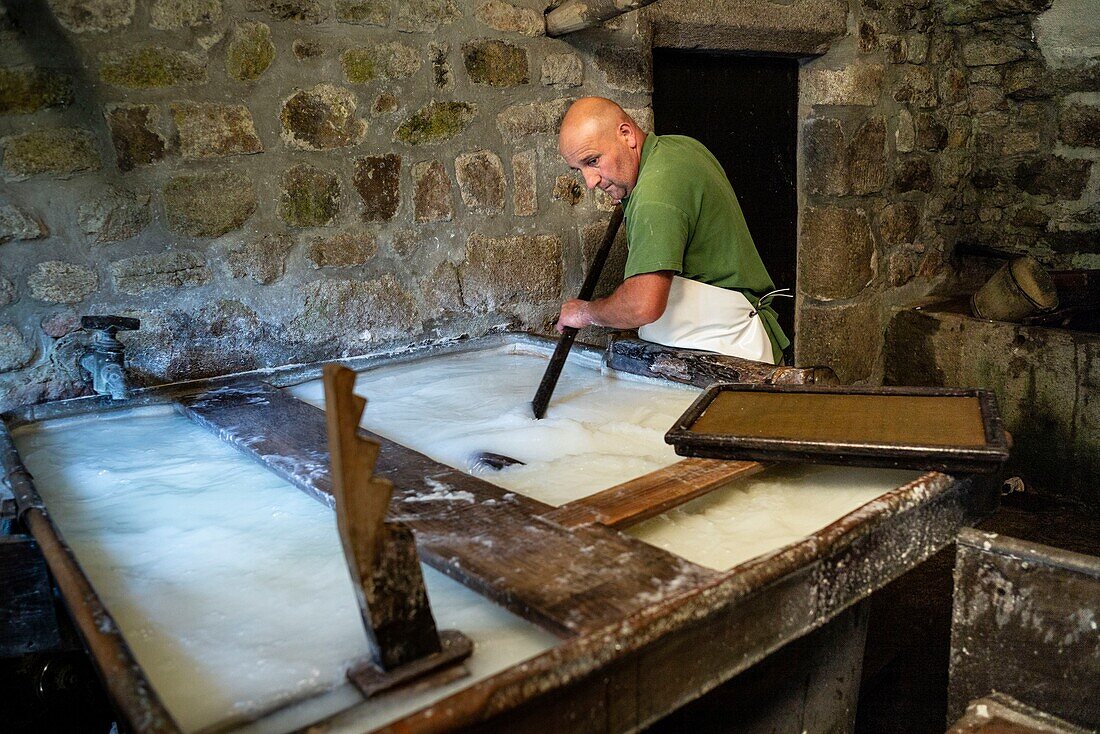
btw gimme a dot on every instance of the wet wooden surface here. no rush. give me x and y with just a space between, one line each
27 620
570 581
649 495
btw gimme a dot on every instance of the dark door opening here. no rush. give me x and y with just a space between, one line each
745 110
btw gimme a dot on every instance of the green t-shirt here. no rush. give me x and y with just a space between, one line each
683 216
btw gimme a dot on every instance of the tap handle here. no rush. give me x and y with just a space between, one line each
110 324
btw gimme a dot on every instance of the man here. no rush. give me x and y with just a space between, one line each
693 276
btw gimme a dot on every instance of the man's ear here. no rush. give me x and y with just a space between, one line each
628 134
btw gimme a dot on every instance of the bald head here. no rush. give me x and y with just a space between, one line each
601 141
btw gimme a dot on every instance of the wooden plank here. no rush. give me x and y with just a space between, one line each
651 494
569 581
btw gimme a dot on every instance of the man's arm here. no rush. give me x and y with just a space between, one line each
640 300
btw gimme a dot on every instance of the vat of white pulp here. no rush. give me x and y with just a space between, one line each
733 603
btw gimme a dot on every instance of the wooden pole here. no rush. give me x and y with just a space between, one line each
574 15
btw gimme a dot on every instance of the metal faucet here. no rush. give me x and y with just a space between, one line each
105 360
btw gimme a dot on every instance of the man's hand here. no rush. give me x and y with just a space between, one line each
639 300
574 313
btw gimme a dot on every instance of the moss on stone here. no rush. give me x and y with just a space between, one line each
384 61
25 90
496 63
435 122
250 52
366 12
151 67
310 197
208 204
58 151
321 118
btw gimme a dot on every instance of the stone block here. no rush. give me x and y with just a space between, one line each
17 224
898 223
250 51
522 120
432 200
990 51
303 11
151 67
568 189
209 130
913 174
82 16
395 60
373 310
1079 125
642 116
562 71
626 68
835 254
952 86
1029 216
8 293
25 89
114 215
54 151
363 12
847 337
442 76
208 204
509 18
55 281
262 259
442 292
857 84
135 134
481 181
15 352
824 156
1062 178
958 12
344 250
424 15
307 50
916 86
984 98
1028 80
170 15
378 180
506 272
905 136
436 122
867 157
321 118
173 269
931 135
384 104
525 202
57 325
309 197
496 63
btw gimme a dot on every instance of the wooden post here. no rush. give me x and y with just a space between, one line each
381 556
574 15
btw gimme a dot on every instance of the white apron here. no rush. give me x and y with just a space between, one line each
701 316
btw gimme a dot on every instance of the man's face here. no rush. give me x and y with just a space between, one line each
606 159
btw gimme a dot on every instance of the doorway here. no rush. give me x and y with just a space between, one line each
745 110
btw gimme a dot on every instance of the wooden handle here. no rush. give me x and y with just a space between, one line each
561 351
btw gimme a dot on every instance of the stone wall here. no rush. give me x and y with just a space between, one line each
933 124
273 181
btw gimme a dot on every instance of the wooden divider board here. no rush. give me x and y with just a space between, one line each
568 580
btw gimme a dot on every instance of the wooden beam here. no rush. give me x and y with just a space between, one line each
575 15
650 495
570 581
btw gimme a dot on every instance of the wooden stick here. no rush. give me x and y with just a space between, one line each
650 495
561 351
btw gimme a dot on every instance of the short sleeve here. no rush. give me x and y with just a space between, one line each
657 235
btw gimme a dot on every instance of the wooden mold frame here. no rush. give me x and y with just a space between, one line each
624 610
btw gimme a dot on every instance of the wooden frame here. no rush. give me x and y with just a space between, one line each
717 426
